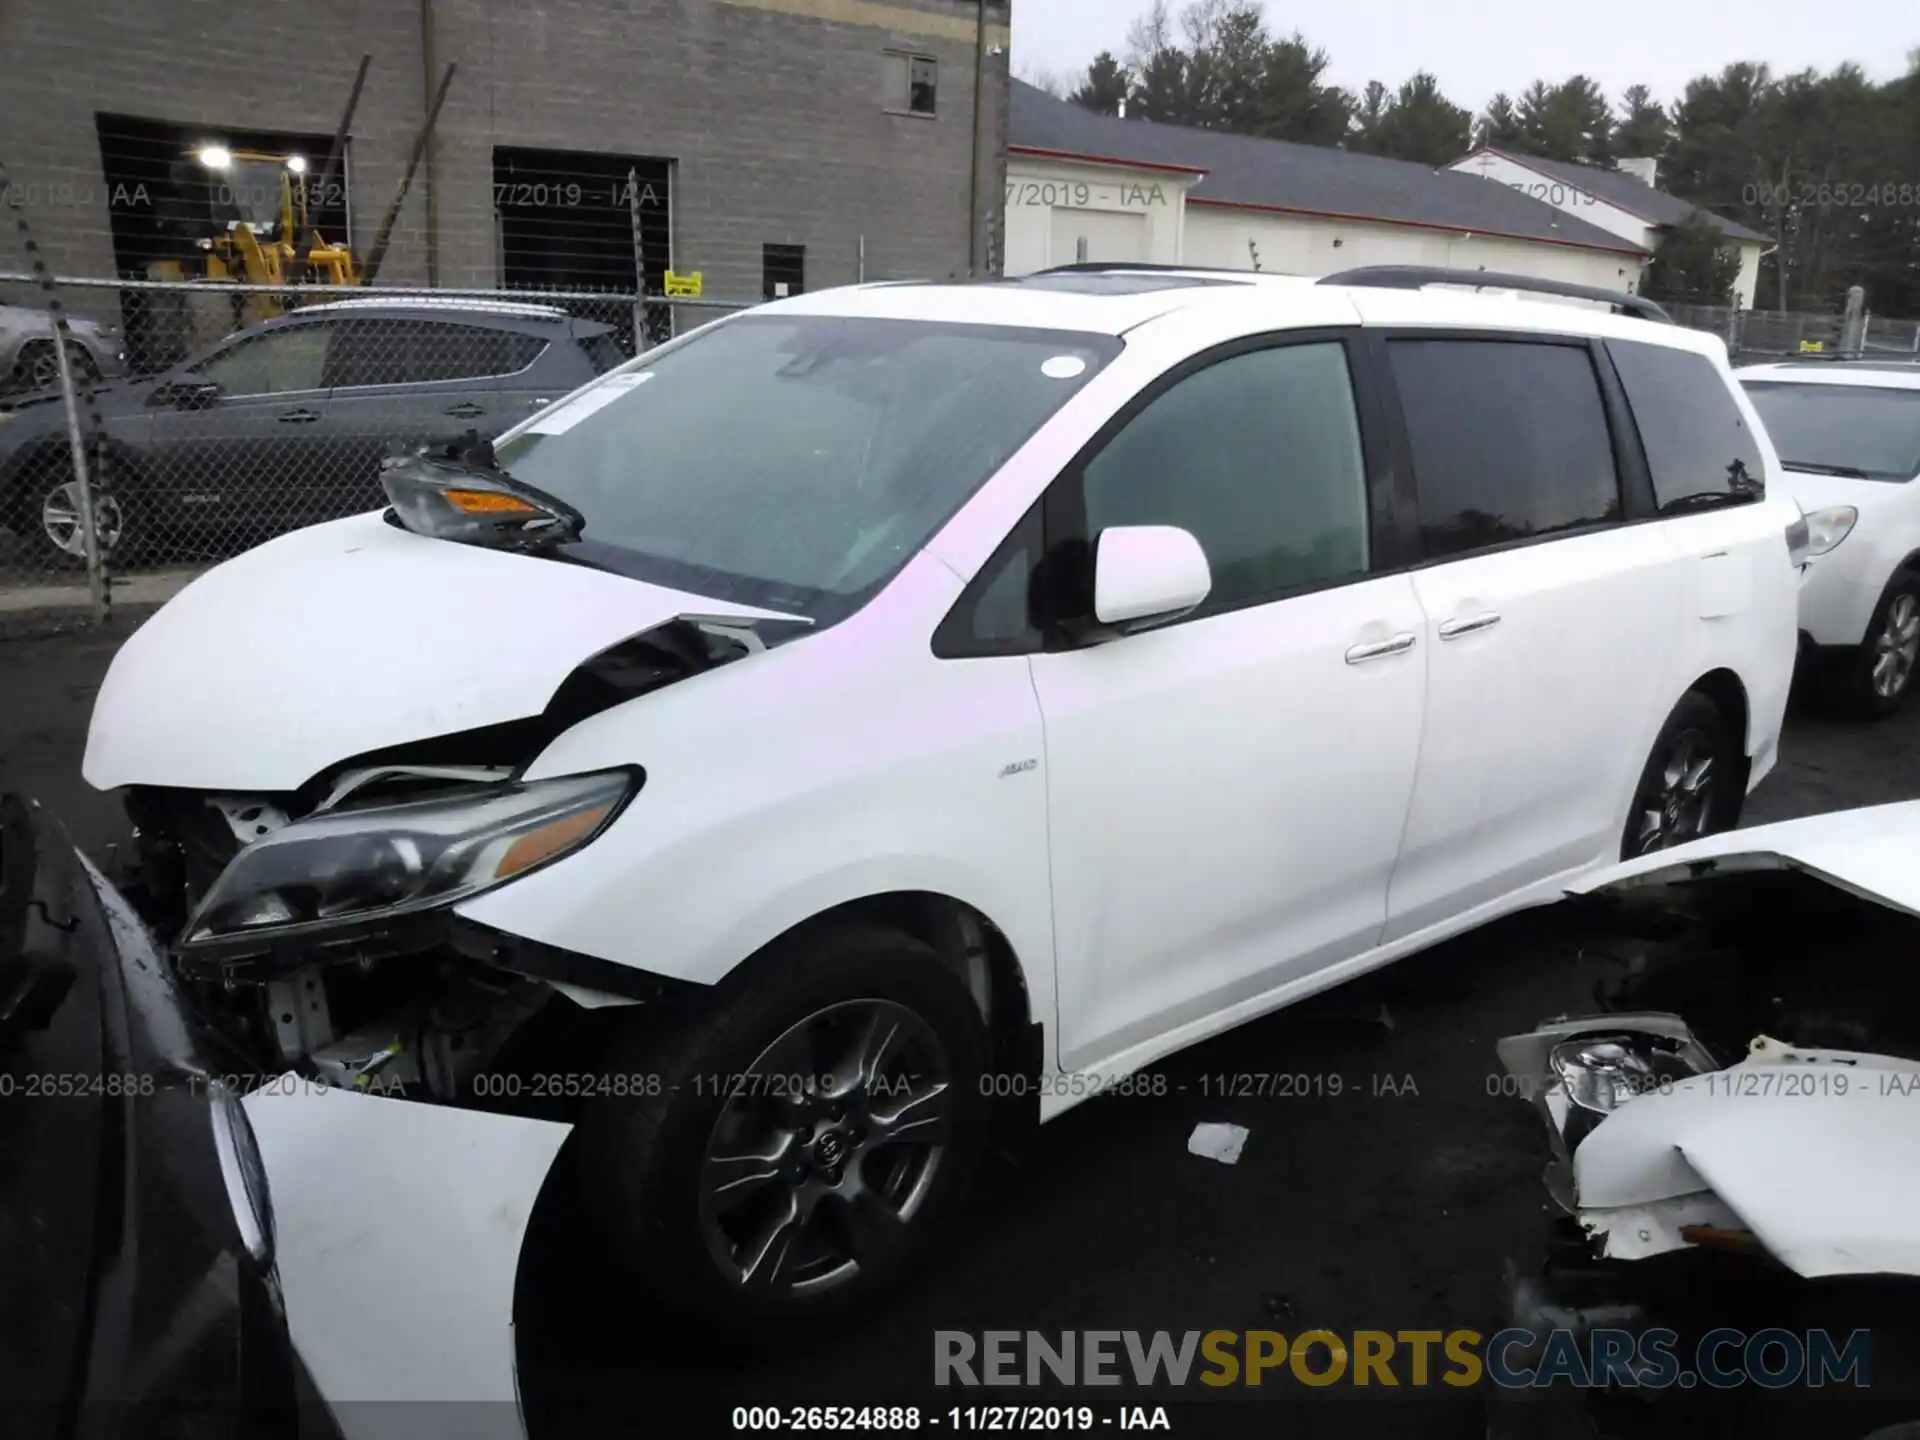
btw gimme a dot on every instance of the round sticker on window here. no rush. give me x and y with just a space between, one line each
1064 367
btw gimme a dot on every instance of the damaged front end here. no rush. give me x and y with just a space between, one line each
315 928
321 936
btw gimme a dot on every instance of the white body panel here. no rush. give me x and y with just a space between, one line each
1815 1151
1868 851
399 1233
1535 738
847 764
1227 799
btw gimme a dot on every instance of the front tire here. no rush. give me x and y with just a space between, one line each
808 1138
1874 681
43 509
1690 785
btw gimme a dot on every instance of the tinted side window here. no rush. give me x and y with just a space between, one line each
1698 444
467 352
383 351
1257 455
995 616
1509 441
603 350
369 352
281 361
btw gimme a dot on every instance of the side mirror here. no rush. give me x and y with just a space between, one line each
1148 572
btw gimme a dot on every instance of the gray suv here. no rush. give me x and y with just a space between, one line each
284 424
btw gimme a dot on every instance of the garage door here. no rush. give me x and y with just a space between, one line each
1104 234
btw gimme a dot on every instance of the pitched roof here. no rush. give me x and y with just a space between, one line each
1618 188
1303 179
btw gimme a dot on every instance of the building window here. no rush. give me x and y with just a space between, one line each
783 271
911 83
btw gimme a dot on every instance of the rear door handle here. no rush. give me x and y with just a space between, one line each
298 417
467 411
1454 629
1398 645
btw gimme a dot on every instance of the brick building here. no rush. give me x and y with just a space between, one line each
771 142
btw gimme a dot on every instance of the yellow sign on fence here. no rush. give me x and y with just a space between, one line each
1807 347
686 287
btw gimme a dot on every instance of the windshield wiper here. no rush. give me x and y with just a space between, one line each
1808 467
460 491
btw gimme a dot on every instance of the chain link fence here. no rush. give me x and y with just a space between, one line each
206 418
1771 334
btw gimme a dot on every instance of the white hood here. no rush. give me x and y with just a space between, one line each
350 637
1873 852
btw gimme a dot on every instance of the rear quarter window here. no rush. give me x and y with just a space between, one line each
1698 445
603 351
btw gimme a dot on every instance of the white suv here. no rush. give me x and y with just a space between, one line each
1848 433
909 708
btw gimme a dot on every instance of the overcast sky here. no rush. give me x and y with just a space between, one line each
1480 46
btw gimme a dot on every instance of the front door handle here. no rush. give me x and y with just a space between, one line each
1398 645
298 417
467 411
1454 629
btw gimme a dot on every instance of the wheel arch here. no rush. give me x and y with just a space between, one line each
983 958
1729 695
1727 692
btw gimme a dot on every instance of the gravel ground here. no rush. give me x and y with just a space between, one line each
1393 1205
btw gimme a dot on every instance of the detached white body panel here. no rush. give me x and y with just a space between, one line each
1815 1152
1868 851
399 1233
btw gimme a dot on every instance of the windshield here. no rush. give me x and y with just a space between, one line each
796 462
1864 428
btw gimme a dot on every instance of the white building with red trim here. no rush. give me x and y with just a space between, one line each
1626 201
1087 187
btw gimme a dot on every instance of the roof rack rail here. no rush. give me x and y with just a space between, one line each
1122 267
1415 277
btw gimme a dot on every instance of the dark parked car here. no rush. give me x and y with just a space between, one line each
136 1229
284 424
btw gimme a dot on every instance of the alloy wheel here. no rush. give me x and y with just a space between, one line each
1679 805
43 368
1896 647
60 519
826 1148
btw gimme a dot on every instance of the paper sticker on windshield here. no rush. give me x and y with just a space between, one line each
564 417
1064 367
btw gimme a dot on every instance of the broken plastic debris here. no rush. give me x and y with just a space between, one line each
1217 1142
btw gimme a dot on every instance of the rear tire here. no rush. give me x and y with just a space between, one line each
1873 682
861 1169
37 367
1690 785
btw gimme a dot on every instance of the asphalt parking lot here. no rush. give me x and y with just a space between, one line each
1392 1204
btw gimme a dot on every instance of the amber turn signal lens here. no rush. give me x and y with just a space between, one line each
550 840
489 502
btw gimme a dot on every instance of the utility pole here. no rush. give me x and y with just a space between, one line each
977 186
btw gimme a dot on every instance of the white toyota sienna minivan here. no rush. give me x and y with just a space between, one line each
911 709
